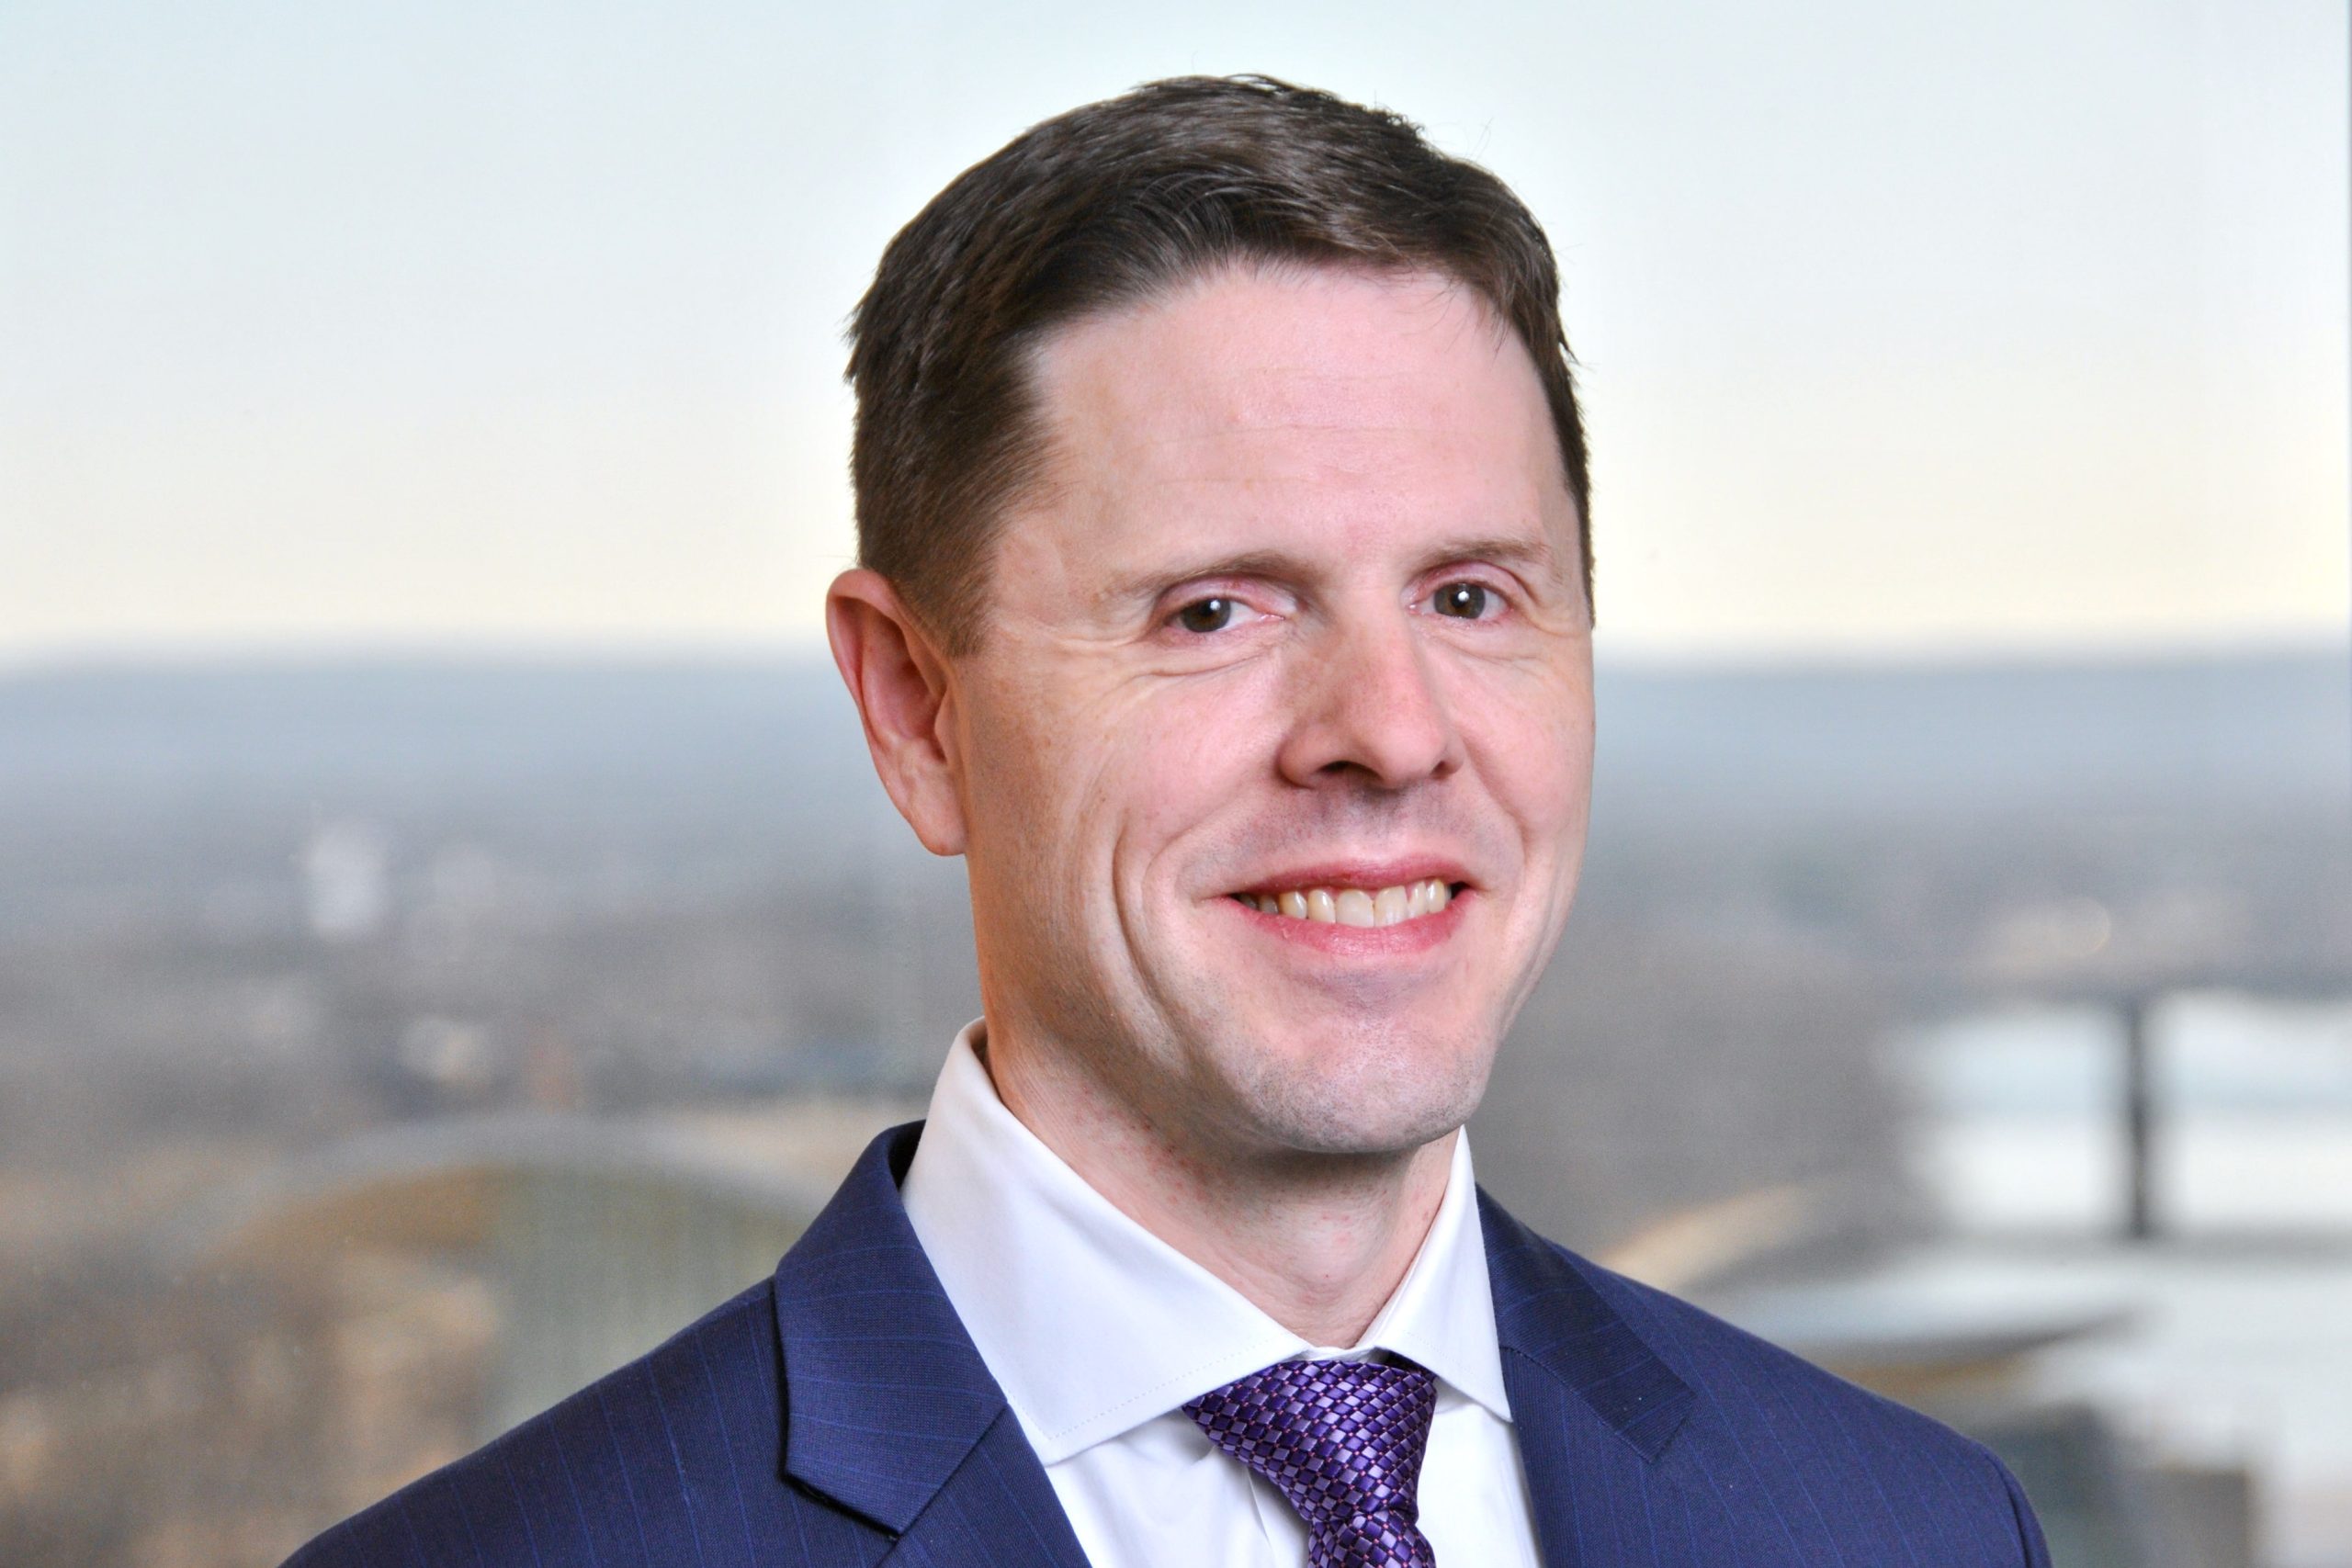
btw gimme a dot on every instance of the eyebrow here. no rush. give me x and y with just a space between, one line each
1148 586
1534 554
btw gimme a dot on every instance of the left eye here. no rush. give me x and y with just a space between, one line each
1468 600
1207 616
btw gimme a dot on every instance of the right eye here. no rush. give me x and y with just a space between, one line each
1205 616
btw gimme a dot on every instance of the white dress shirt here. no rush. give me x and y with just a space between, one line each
1097 1332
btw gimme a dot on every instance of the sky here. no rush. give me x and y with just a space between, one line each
506 326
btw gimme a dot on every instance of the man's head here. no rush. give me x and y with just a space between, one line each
1113 204
1226 585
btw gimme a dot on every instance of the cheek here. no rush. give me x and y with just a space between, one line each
1020 799
1190 764
1105 778
1533 742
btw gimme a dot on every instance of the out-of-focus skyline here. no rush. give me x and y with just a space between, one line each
1905 331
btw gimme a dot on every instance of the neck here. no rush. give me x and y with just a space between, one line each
1318 1242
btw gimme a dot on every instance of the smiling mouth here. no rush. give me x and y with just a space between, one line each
1355 905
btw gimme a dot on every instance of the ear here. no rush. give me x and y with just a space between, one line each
899 681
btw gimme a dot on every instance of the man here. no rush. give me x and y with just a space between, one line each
1224 601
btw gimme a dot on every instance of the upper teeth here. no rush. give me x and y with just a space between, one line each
1355 905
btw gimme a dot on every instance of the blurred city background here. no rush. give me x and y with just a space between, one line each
451 935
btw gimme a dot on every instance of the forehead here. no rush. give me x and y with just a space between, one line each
1350 403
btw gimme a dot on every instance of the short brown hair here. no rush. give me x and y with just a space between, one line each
1110 204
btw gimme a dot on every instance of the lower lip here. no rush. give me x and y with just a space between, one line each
1369 942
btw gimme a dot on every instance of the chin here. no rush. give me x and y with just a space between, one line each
1386 1095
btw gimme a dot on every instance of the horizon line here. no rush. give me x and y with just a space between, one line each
583 654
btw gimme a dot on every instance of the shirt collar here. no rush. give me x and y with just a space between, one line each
1093 1325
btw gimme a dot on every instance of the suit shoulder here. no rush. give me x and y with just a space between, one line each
1746 1382
1816 1454
1706 1349
609 1474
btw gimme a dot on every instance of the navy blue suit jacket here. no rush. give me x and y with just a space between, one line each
837 1413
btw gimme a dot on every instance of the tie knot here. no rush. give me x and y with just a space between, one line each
1343 1440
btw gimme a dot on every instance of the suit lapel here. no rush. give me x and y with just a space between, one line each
997 1511
889 1411
1579 1378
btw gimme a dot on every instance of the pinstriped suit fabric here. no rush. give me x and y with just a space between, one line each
1672 1440
837 1415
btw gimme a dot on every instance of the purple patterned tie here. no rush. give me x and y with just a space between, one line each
1343 1440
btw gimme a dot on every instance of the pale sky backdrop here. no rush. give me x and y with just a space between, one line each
1907 328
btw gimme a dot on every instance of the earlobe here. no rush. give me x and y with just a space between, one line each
901 684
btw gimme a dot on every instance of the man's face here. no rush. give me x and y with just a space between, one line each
1294 639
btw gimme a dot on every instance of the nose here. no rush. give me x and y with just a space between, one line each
1367 710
